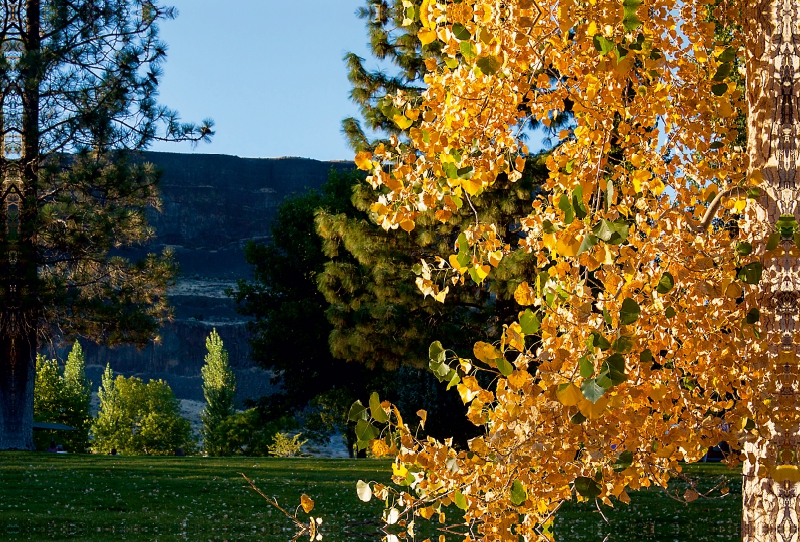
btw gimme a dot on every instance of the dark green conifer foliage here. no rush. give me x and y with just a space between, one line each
290 330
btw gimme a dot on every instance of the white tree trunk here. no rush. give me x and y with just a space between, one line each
771 503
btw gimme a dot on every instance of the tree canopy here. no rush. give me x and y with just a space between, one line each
79 83
651 328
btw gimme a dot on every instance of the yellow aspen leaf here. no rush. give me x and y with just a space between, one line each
568 247
592 410
524 294
665 452
740 205
407 225
466 394
307 503
734 290
402 121
427 36
549 241
518 379
473 185
426 512
482 271
379 448
364 160
453 259
569 394
400 470
485 352
423 416
495 258
424 13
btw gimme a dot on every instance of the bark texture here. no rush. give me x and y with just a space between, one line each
771 496
19 314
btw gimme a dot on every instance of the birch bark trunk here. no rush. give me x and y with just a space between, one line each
771 503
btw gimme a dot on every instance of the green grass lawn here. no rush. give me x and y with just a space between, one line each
73 497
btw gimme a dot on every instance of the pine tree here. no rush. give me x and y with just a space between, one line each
79 82
219 386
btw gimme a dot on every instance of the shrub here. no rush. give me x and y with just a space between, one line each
139 419
284 446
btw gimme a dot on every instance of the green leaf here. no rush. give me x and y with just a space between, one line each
468 49
466 173
378 414
621 231
623 344
504 366
365 431
666 283
723 71
357 412
646 356
489 64
602 44
773 241
529 322
624 460
451 62
753 316
460 500
460 32
450 170
578 418
592 390
599 341
548 227
587 367
727 55
670 313
716 145
577 203
588 242
630 20
744 248
607 317
604 230
629 312
587 487
750 273
615 362
719 89
436 352
566 205
518 493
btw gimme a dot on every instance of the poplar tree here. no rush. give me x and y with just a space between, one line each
64 397
78 89
219 387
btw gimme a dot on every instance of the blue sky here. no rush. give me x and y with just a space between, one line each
269 72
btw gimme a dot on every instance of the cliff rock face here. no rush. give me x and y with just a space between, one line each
211 206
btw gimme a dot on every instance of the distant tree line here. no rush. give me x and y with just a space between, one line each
138 418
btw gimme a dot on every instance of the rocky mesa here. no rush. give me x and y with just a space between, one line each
212 205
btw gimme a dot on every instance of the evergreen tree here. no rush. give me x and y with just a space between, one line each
78 88
290 330
63 397
139 419
219 386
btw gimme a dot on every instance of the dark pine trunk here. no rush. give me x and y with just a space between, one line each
19 305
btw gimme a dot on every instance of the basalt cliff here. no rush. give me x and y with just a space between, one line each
212 205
